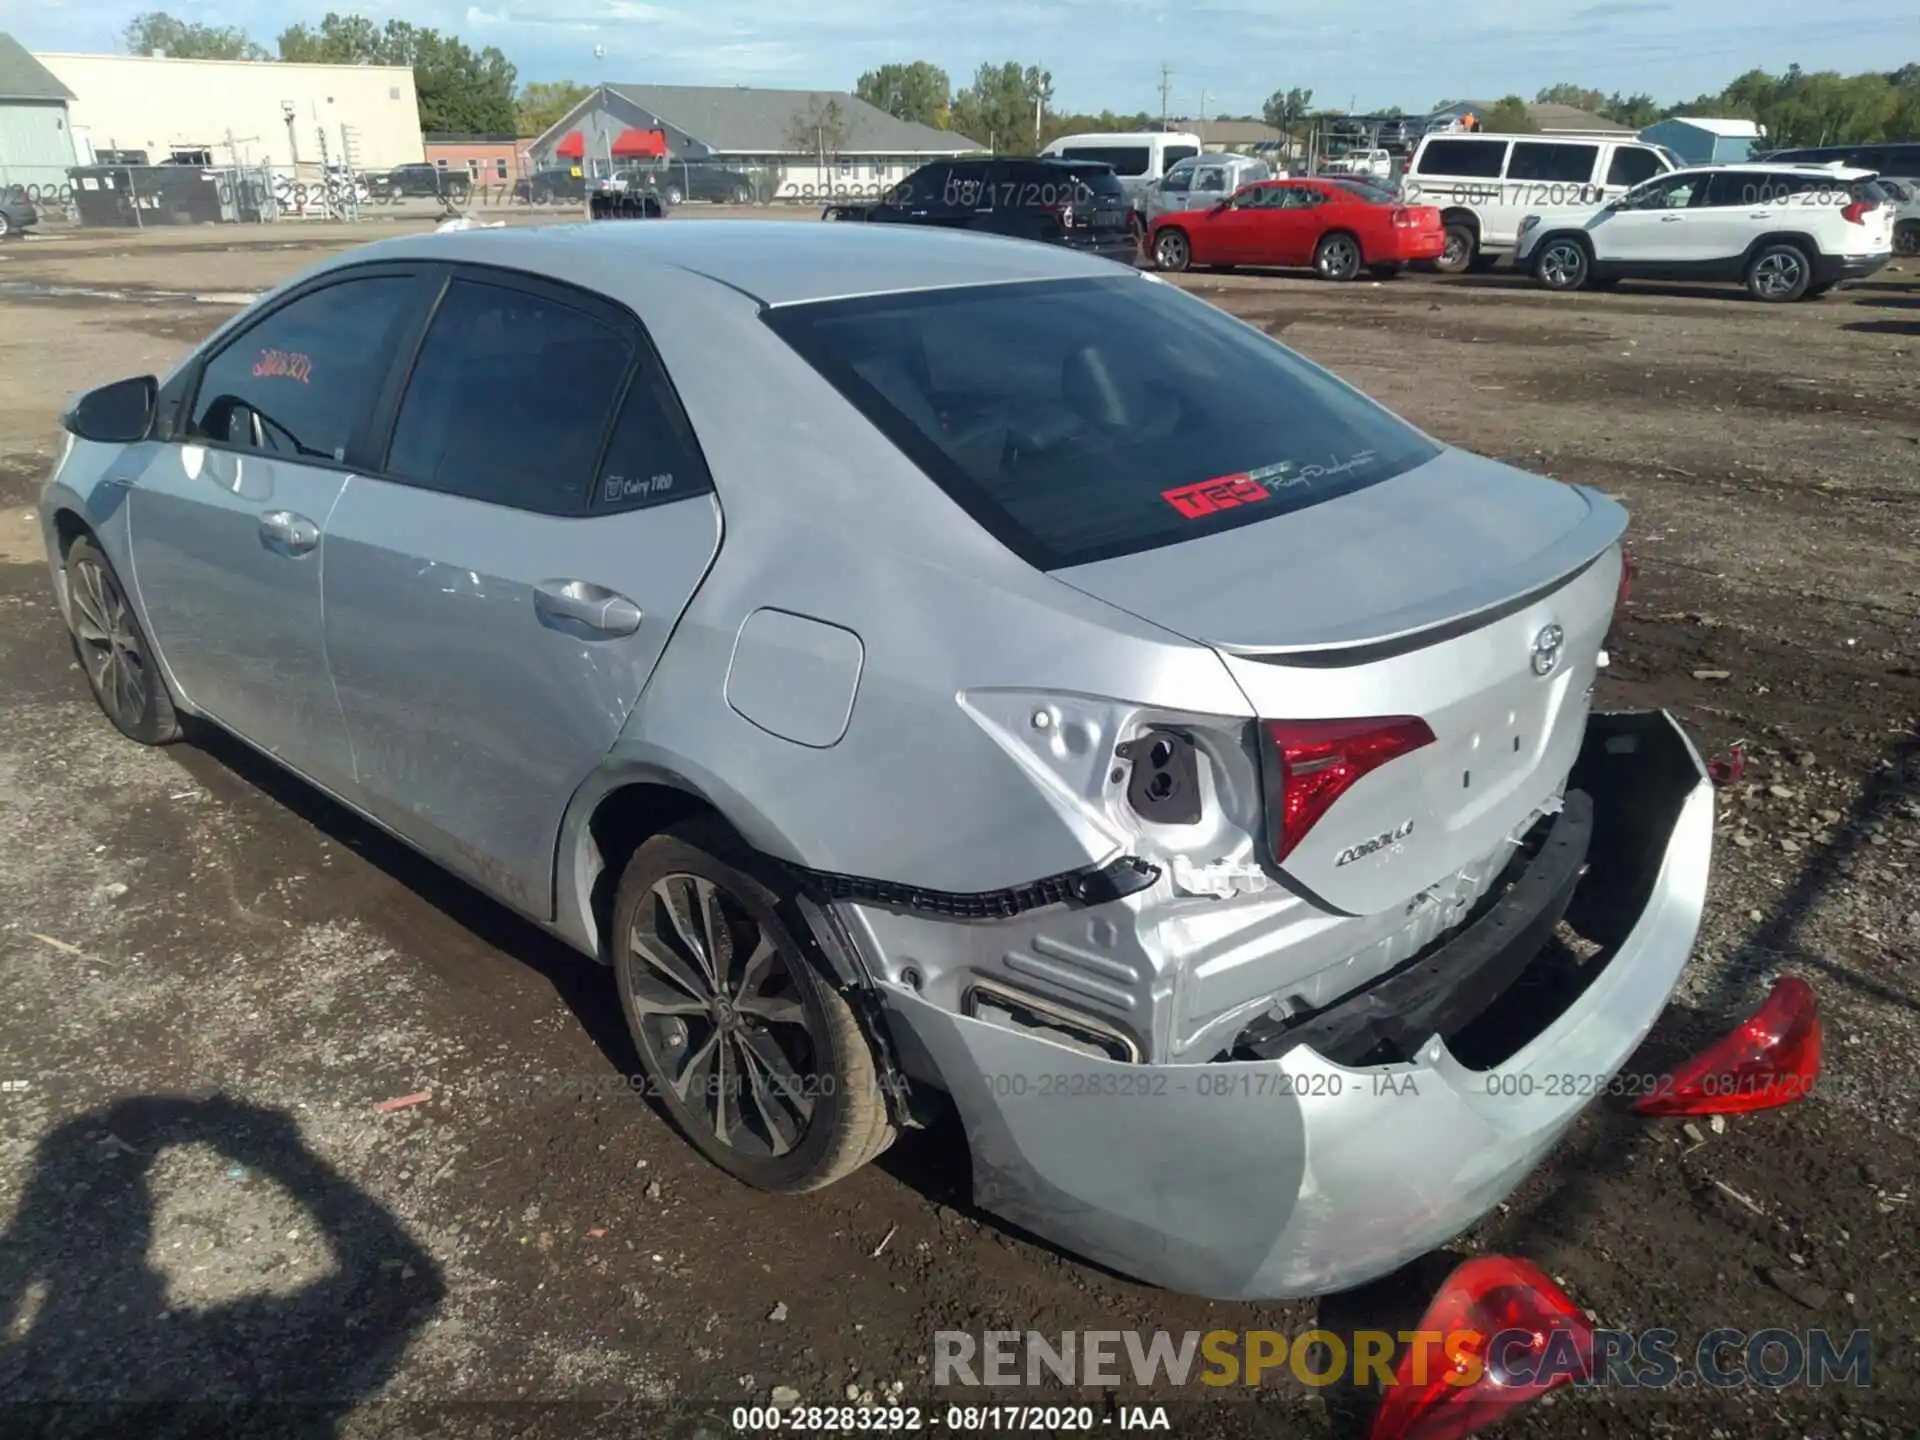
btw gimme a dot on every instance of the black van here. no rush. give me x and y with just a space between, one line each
1076 203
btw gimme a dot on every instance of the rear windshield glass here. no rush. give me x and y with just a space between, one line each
1125 159
1376 194
1078 420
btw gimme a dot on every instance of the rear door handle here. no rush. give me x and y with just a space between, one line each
1670 219
286 531
594 607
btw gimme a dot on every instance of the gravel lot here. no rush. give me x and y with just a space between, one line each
214 975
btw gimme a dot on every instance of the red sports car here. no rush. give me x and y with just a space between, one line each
1339 227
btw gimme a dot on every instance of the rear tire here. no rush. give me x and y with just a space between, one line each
1906 238
113 650
1337 257
1463 244
1779 274
1171 250
758 1060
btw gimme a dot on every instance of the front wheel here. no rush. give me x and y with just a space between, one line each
113 649
672 195
1562 265
1171 251
757 1058
1779 274
1337 257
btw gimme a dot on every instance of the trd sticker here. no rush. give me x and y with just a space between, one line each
284 364
1209 497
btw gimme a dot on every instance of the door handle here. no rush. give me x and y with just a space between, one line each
287 531
1761 215
1670 219
591 606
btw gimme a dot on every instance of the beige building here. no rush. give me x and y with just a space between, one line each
244 112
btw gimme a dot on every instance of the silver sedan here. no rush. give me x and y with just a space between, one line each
930 669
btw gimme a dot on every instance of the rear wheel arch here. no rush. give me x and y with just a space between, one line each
1796 238
622 820
69 527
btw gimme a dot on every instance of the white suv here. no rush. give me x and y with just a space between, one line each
1785 231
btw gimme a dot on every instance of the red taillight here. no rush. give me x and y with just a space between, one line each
1313 762
1771 1060
1856 213
1502 1334
1404 219
1629 572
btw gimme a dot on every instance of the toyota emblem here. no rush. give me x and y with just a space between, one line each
1546 649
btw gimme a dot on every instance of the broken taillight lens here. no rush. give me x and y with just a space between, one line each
1629 572
1312 763
1771 1060
1498 1334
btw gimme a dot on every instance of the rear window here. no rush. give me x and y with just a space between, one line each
1079 420
1476 159
1373 194
1174 154
1125 159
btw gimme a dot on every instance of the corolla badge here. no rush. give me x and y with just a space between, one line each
1384 841
1546 649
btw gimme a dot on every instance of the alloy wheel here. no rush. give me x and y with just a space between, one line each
1563 266
1170 251
1339 258
1777 274
721 1014
110 648
1456 253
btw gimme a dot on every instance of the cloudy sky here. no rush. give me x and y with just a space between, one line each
1108 53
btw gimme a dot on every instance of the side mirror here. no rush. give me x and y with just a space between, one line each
116 414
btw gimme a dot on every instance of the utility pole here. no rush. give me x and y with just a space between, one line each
1166 87
1205 95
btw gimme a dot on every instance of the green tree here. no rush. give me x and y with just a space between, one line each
462 91
155 30
1001 106
1509 116
1636 112
541 104
1287 108
1579 97
917 91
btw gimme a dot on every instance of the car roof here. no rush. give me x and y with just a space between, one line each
776 262
1749 167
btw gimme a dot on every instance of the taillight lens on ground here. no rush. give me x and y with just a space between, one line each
1500 1333
1629 572
1312 763
1773 1059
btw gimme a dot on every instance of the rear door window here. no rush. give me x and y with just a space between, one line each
510 399
1178 182
1473 159
1125 159
1553 161
298 383
1633 166
1077 420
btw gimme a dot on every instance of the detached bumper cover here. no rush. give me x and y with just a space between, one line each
1298 1176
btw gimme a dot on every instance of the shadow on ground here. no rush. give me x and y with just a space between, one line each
96 1347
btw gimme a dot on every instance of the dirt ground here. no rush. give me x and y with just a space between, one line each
213 976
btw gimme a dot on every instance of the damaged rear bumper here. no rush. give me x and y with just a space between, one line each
1301 1175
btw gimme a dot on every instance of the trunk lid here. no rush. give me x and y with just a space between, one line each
1468 594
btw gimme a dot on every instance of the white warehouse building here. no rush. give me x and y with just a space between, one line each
238 112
